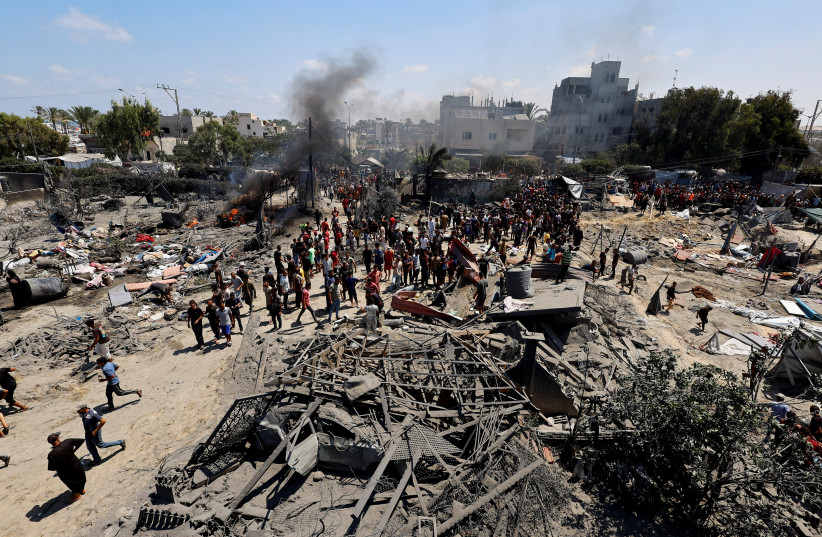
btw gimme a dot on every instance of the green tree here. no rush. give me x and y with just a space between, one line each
395 159
693 125
185 112
197 111
54 115
125 128
525 166
810 175
597 166
214 144
429 160
208 114
456 165
15 140
40 111
232 118
632 153
534 111
84 116
696 454
765 123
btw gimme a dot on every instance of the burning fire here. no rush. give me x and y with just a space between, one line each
231 218
193 223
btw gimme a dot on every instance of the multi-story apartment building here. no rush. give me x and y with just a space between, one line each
591 114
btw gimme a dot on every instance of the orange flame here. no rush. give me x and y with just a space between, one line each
193 223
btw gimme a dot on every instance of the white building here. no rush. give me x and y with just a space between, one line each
469 131
250 125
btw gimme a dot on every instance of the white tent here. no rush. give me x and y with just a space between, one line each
574 188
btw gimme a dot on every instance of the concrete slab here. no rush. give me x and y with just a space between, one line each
549 299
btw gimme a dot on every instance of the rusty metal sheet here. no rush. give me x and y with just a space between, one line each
415 308
464 255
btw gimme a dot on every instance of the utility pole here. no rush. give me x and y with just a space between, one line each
579 127
168 91
348 132
809 128
310 164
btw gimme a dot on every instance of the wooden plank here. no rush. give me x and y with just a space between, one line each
409 471
466 425
375 477
485 499
386 415
240 498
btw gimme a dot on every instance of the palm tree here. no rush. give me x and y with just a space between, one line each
40 112
185 112
208 114
395 158
197 111
53 115
533 111
427 162
84 116
232 118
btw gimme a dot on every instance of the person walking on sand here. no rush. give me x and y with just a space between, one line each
92 423
306 305
68 467
702 315
113 382
226 319
101 339
195 321
211 313
8 385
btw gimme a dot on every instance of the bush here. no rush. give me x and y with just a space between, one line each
13 165
129 184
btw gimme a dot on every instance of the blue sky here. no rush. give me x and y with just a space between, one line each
243 55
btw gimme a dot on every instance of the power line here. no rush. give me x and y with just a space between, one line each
58 94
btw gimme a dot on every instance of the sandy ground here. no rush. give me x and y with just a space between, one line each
186 392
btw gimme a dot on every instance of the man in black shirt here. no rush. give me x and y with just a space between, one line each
68 467
233 303
195 321
481 294
211 313
92 423
8 385
483 266
702 315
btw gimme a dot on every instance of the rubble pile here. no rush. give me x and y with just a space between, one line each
65 341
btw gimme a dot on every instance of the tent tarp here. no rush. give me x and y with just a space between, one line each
779 189
574 188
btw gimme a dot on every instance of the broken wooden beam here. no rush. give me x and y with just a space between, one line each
493 493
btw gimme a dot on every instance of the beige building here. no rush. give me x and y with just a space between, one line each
189 124
469 131
250 125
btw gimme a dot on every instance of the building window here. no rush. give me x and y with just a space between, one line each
607 76
613 77
254 134
609 98
599 118
148 155
166 130
466 135
248 127
651 110
616 131
605 118
507 136
492 135
563 129
602 100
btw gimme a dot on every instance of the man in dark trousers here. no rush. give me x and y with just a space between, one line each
8 385
68 467
195 321
567 256
113 381
92 423
211 313
614 262
702 315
